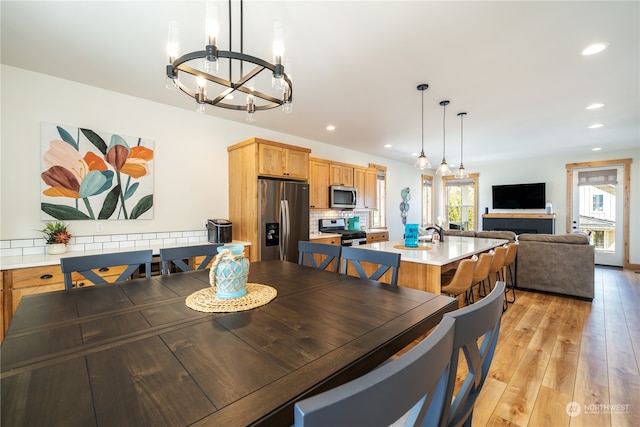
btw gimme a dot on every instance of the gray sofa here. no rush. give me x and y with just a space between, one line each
562 264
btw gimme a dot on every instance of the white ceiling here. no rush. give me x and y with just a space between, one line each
514 66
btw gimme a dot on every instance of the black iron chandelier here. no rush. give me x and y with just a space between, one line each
198 73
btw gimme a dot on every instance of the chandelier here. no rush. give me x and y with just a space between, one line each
422 163
199 75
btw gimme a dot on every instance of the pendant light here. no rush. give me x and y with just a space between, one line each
443 169
462 173
422 163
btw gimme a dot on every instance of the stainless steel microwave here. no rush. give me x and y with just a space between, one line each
341 197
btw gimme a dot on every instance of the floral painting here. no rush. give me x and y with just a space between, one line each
89 174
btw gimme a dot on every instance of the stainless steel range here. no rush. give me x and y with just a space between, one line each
338 226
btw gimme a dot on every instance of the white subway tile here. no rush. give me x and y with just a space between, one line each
102 239
170 241
149 236
11 252
25 243
118 237
92 246
5 244
163 235
176 234
137 236
84 239
36 250
129 244
110 245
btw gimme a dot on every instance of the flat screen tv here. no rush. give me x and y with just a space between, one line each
519 196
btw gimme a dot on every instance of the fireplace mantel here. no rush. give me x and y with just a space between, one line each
520 223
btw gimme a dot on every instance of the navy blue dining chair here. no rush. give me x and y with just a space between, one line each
179 256
326 252
85 264
476 333
385 261
409 389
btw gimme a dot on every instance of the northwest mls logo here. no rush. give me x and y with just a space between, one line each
573 409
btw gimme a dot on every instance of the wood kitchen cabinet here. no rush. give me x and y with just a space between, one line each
328 240
284 161
377 236
318 184
341 174
365 180
249 160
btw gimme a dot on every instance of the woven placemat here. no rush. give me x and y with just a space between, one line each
419 248
205 300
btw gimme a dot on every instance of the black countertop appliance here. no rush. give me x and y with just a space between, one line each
219 230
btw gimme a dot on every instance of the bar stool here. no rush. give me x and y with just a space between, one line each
509 265
497 265
460 283
481 272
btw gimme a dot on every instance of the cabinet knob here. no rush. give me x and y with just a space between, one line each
46 276
103 269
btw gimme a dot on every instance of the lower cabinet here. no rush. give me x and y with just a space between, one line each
377 236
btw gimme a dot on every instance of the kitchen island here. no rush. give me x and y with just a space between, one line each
421 268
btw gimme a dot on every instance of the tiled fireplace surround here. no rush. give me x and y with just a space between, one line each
35 246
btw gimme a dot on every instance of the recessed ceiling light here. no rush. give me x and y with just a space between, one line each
595 106
388 145
331 128
595 48
596 149
596 126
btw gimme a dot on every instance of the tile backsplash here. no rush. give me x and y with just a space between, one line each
20 247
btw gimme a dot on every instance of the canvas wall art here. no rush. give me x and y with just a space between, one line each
95 175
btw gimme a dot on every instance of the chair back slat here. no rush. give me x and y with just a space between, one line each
478 322
307 250
86 263
409 388
176 256
385 260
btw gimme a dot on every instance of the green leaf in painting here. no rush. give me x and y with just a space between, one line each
143 205
110 203
131 190
66 137
95 140
63 212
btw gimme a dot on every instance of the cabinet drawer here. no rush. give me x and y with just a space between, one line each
37 276
377 237
327 240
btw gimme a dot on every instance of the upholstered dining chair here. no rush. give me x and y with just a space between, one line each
329 255
476 334
178 255
410 387
385 261
86 263
460 283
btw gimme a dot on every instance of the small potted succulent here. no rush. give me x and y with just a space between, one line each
57 236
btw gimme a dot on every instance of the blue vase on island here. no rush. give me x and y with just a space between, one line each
229 272
411 235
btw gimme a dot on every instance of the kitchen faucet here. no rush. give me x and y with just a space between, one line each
438 230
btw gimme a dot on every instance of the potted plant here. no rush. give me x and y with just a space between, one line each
57 236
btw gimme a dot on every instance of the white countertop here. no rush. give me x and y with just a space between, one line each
38 260
453 248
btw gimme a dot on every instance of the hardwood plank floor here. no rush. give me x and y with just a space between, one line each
554 350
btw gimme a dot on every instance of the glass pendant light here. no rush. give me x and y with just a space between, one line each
443 169
422 163
462 173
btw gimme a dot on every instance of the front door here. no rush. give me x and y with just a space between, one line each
598 210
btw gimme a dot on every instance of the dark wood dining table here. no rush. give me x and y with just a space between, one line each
132 353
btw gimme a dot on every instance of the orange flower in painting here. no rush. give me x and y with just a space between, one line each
68 169
132 162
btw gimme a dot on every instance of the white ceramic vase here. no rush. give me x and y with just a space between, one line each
56 248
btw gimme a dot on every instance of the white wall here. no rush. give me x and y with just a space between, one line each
191 173
191 160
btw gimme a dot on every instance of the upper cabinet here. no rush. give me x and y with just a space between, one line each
341 174
365 180
319 184
281 160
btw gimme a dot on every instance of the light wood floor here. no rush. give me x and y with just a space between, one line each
555 350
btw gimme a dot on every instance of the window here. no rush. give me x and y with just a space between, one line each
427 200
461 202
597 203
378 217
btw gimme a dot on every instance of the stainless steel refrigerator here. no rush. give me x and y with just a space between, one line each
283 218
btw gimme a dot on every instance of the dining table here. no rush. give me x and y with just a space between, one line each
133 352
